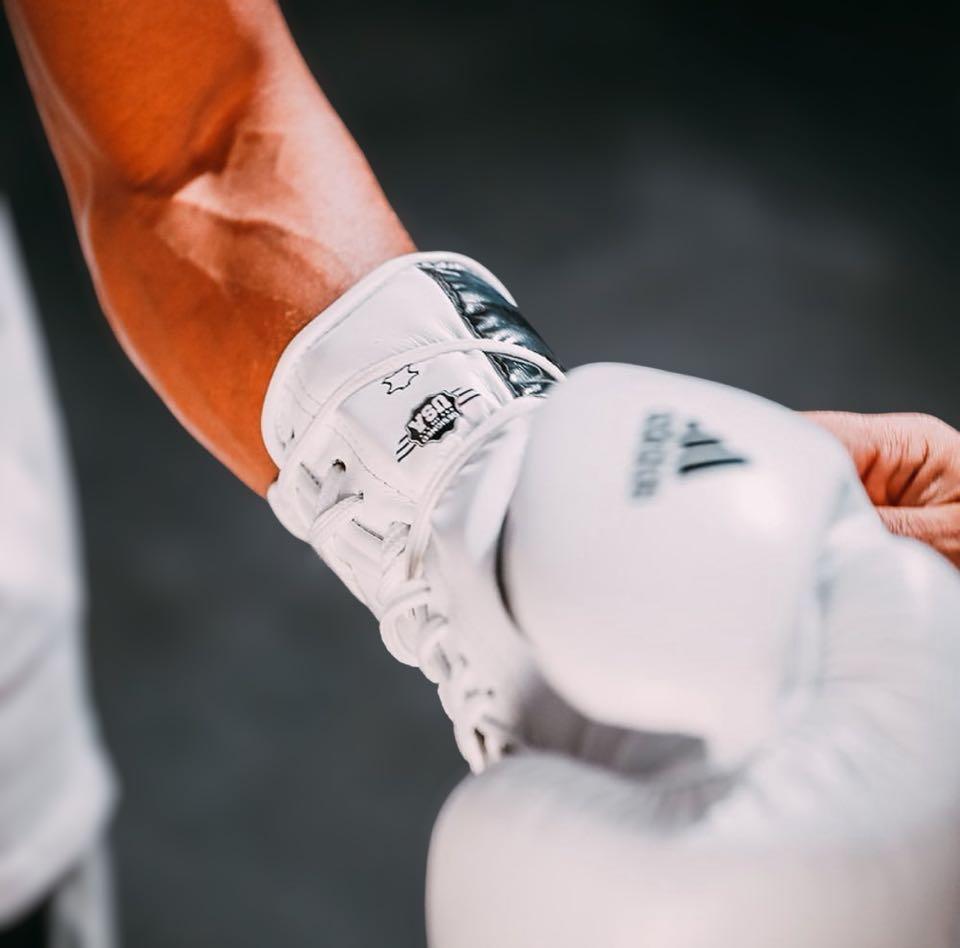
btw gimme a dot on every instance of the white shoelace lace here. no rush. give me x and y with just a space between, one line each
411 628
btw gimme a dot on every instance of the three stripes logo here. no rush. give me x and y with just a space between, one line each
700 450
693 450
436 416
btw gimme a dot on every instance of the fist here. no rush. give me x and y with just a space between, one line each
910 467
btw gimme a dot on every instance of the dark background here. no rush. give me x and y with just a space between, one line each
768 201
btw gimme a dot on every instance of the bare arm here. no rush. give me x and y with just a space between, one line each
219 200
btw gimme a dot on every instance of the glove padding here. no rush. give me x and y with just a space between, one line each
754 601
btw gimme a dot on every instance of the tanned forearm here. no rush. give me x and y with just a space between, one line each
219 200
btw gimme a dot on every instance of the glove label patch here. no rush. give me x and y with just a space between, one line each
436 416
693 449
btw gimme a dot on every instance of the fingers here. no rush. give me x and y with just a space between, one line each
898 457
938 527
910 468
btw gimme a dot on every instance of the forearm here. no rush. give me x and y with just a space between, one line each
219 200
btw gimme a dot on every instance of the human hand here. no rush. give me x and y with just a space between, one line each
910 467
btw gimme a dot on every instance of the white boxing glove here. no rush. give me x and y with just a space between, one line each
398 419
685 557
684 522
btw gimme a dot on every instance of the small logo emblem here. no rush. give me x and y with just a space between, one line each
662 451
435 417
401 379
699 450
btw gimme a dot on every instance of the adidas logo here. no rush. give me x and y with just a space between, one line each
693 450
699 450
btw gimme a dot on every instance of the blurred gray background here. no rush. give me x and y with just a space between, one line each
771 202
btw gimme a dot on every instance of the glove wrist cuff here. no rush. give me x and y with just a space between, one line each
386 389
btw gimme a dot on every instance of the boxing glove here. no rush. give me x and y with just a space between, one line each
398 419
684 557
661 552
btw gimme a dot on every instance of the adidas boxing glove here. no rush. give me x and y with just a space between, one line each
684 557
661 552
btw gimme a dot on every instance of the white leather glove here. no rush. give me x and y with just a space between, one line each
397 418
685 557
